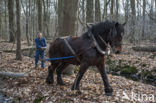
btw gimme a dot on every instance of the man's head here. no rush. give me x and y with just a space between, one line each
39 35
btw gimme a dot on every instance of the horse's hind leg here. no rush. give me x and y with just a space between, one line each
51 68
108 88
83 68
59 71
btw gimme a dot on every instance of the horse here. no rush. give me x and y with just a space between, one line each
89 49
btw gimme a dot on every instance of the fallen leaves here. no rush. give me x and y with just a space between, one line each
34 88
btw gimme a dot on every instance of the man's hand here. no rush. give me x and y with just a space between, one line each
43 48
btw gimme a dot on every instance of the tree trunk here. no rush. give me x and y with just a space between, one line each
105 9
60 17
83 13
44 18
144 48
126 7
27 24
133 13
143 26
138 9
11 20
67 17
117 10
66 21
39 2
151 11
18 37
112 9
89 12
97 11
0 27
47 18
126 10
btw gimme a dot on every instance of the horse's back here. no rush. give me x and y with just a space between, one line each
59 48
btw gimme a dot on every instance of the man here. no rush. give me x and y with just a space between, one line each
40 47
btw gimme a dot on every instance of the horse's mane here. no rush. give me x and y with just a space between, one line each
102 27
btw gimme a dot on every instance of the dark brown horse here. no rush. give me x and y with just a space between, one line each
90 50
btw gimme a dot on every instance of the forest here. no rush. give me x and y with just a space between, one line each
131 73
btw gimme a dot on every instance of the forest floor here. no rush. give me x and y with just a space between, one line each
34 89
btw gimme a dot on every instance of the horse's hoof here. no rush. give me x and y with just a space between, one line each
109 91
108 94
49 81
75 88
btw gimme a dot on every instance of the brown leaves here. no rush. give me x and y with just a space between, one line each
91 85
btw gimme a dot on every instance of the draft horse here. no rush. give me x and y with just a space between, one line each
90 50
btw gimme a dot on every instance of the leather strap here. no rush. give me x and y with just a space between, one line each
71 49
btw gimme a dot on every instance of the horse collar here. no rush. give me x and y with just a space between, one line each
107 52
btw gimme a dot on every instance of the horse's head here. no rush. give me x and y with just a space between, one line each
110 32
115 37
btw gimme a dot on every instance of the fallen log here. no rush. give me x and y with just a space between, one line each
12 74
145 48
14 50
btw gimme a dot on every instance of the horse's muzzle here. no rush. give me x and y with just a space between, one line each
117 52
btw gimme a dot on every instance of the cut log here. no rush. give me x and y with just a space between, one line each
23 49
13 75
146 49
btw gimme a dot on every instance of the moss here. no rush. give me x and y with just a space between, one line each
152 56
128 70
38 99
144 65
118 68
148 74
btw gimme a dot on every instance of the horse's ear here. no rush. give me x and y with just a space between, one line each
87 26
124 24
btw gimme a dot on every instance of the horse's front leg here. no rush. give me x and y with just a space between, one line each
82 70
108 88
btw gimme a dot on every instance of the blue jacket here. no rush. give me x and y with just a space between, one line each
40 42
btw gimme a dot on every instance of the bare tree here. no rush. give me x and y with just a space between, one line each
151 10
105 9
39 4
143 26
97 11
66 21
89 12
11 20
112 9
45 17
117 10
27 20
133 15
18 37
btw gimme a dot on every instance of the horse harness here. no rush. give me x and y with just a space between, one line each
107 51
95 44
